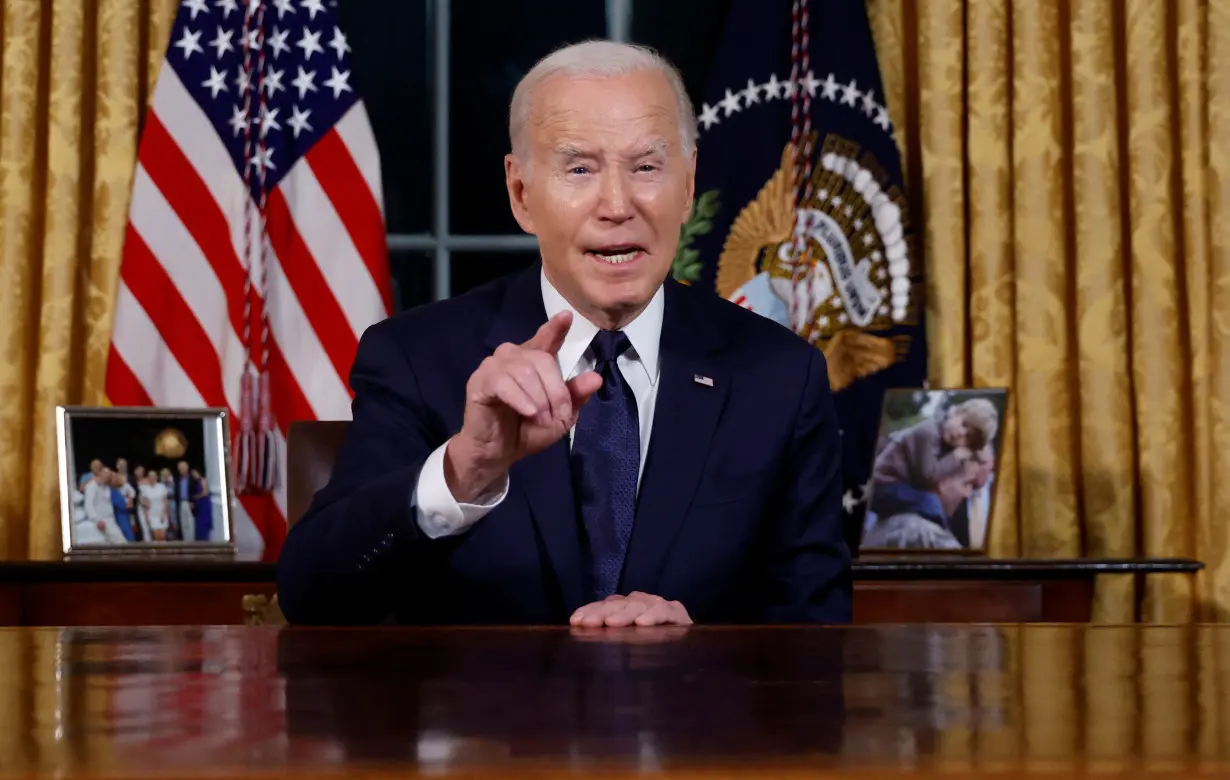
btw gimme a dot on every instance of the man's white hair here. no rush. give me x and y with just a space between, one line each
599 58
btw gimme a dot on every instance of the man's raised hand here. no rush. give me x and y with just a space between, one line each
517 404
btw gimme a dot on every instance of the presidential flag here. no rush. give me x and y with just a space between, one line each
255 251
801 213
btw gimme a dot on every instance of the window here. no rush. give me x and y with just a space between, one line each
436 77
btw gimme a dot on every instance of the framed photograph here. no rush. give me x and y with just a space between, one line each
933 479
145 481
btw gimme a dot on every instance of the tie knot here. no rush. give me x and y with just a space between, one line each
608 345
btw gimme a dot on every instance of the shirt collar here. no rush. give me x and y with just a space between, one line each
644 332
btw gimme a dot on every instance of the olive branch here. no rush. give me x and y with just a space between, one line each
686 267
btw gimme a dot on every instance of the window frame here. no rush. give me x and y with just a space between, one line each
440 243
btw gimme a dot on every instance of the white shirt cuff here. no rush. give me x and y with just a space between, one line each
436 510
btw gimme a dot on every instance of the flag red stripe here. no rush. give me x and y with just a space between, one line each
347 190
122 386
289 402
180 184
263 512
178 327
303 275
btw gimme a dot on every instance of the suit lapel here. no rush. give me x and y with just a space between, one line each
546 477
690 400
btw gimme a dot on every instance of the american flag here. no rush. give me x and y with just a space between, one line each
255 252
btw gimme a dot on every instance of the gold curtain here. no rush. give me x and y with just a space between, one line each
1070 163
74 80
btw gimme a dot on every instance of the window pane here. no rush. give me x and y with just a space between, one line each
412 274
470 269
493 45
687 32
391 57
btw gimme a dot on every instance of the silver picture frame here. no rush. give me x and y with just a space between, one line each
191 514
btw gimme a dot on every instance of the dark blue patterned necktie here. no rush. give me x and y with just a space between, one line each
606 456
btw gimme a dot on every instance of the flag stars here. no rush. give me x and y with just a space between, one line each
216 82
299 120
269 120
730 103
238 121
338 43
242 81
227 6
284 7
189 43
313 7
273 81
751 94
869 102
772 88
810 84
830 88
339 81
263 159
278 41
850 93
305 82
196 6
222 42
310 43
253 41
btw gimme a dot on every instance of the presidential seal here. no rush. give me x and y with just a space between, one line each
833 265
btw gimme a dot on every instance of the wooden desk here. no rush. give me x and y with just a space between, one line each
910 590
1058 701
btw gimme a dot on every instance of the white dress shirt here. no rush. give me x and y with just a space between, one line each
439 514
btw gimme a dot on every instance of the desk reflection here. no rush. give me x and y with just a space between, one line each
230 701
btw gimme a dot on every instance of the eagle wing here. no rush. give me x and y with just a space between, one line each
853 354
765 221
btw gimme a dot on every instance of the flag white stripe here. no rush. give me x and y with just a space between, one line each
330 244
356 132
305 355
138 343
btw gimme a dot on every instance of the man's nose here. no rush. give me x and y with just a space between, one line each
615 203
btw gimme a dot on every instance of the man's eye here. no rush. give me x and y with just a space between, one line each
579 169
647 168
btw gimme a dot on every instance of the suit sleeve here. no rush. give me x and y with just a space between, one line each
808 559
337 562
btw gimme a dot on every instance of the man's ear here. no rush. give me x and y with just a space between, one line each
516 180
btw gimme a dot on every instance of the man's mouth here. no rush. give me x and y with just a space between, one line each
616 255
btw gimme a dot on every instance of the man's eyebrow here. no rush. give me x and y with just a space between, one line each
657 147
571 151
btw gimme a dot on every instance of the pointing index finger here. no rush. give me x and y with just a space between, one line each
550 337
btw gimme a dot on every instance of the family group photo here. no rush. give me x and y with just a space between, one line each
135 480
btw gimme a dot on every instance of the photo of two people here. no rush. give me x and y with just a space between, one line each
934 473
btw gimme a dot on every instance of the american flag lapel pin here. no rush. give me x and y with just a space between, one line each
702 380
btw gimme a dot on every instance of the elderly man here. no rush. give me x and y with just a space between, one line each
587 441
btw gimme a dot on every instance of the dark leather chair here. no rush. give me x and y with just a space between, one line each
311 451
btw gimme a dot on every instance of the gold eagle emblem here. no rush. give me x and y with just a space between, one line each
760 243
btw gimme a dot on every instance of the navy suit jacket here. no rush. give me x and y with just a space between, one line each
738 515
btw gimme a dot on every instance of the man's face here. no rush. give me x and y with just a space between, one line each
183 468
607 188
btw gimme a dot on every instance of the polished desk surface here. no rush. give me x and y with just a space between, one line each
1016 701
